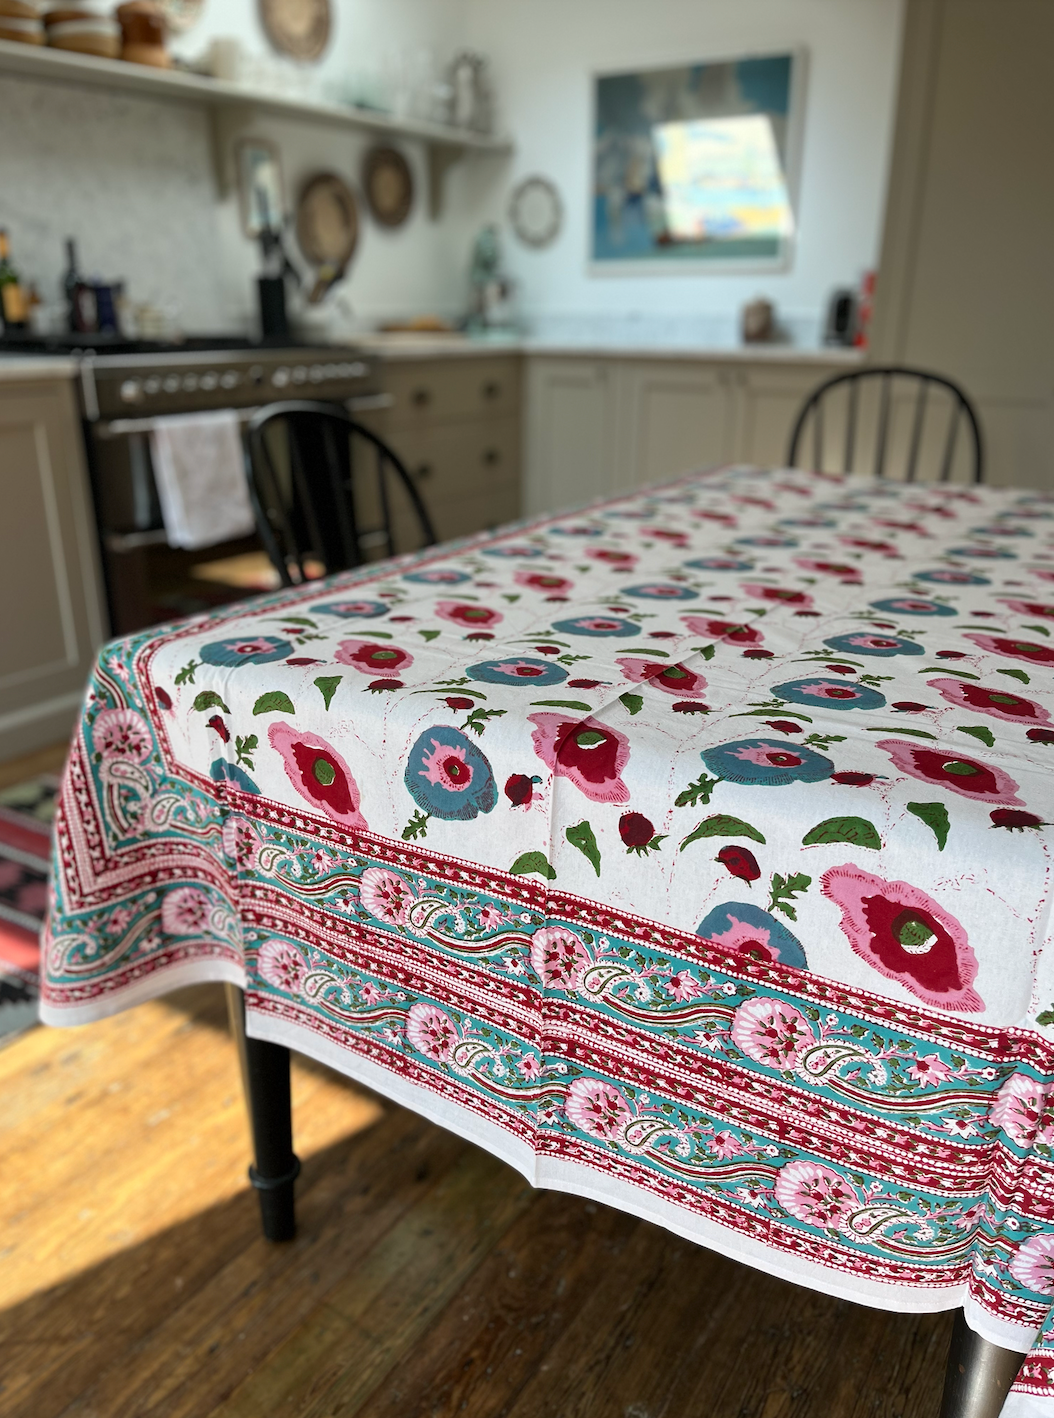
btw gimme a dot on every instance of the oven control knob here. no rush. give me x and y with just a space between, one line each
209 380
190 382
152 385
171 384
317 373
229 379
300 374
280 378
131 391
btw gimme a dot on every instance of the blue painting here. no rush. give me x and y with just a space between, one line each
694 163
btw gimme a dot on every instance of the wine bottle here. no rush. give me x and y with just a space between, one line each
70 281
12 294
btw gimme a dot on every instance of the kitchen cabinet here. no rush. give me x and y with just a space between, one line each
455 423
53 619
602 425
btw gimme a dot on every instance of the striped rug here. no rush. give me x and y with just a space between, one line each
26 810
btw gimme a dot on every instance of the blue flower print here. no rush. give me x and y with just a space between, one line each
1001 529
766 763
741 926
765 539
951 576
448 777
354 610
913 605
596 625
437 576
867 642
245 650
829 693
220 771
720 563
984 553
806 522
660 591
519 551
576 529
522 670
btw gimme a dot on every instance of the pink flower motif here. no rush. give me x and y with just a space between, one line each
185 911
240 842
684 986
282 966
598 1109
817 1195
930 1070
983 782
386 895
369 658
1000 703
371 994
587 752
318 773
906 936
122 733
798 599
1033 1265
1018 1108
543 581
118 919
771 1032
446 766
614 557
724 1145
472 616
490 918
530 1067
735 632
558 958
1015 649
968 1219
1037 608
432 1032
677 680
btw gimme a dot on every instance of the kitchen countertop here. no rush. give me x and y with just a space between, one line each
18 368
591 345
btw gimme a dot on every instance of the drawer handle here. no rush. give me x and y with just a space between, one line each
492 389
491 457
423 472
421 398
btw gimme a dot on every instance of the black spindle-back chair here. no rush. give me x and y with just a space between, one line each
868 437
317 508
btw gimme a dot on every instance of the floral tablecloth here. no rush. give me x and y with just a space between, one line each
689 852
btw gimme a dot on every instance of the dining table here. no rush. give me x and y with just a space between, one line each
688 851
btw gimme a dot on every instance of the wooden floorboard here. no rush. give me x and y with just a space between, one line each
427 1279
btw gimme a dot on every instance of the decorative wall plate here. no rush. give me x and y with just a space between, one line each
180 15
389 186
299 28
327 221
536 212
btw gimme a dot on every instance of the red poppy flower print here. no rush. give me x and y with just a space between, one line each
674 679
981 781
844 571
590 754
906 936
732 631
1000 703
612 556
318 773
1037 608
1014 649
544 581
782 595
369 658
473 617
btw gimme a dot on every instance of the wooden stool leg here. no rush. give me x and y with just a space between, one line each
979 1374
265 1078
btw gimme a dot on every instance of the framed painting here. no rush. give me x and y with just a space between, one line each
697 165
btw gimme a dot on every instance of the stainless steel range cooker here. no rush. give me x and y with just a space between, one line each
122 393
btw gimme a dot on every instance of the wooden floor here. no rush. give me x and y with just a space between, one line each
427 1279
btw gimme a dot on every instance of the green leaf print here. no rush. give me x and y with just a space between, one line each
855 830
562 704
186 674
978 731
209 699
275 701
581 836
531 864
327 687
416 827
429 634
935 816
633 702
722 824
697 792
784 889
1014 674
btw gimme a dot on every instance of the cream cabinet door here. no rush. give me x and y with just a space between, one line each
52 621
768 401
674 416
570 433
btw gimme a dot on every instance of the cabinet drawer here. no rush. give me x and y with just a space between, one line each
458 460
461 516
451 389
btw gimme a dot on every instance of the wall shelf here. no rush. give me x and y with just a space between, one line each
235 106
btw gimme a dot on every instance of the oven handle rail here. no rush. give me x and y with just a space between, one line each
117 428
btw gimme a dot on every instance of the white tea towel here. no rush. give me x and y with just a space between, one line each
200 475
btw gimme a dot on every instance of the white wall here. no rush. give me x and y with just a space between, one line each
544 52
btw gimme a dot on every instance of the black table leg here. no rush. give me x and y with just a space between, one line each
265 1078
979 1374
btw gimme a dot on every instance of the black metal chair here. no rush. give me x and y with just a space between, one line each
317 508
870 434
